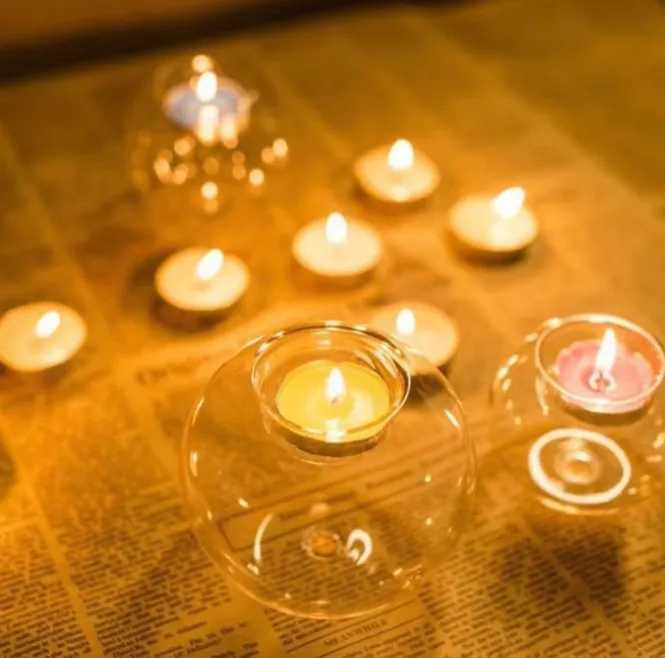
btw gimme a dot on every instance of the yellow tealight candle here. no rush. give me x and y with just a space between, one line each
333 399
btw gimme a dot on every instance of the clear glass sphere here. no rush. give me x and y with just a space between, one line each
205 133
578 412
327 521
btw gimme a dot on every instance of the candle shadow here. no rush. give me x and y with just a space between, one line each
31 385
591 554
389 207
189 321
362 285
482 257
7 471
139 293
587 548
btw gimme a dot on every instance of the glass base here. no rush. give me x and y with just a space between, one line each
322 544
579 467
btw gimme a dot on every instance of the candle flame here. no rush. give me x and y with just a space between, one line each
206 87
509 202
406 322
47 325
280 147
335 387
607 353
209 191
202 63
337 229
210 265
256 177
400 156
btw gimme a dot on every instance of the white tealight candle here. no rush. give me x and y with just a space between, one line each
499 225
421 326
201 280
207 102
397 174
39 336
338 247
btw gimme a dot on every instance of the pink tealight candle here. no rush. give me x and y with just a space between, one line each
604 376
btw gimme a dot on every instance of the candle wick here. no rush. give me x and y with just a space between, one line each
602 381
202 282
42 343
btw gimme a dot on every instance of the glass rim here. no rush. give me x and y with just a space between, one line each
555 324
395 352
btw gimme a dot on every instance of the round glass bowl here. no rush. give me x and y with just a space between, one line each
578 411
200 130
327 495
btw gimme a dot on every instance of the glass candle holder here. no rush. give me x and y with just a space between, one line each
321 477
579 407
205 132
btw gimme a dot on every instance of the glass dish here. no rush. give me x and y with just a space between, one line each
319 524
206 133
586 438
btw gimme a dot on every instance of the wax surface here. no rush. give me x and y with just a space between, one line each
302 398
384 183
361 252
182 105
576 364
473 221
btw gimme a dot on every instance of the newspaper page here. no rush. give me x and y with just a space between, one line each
97 557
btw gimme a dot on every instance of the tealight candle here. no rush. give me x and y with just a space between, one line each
202 103
502 225
397 174
337 247
423 327
330 400
200 280
39 336
604 376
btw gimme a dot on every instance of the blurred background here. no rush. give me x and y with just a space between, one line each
39 35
